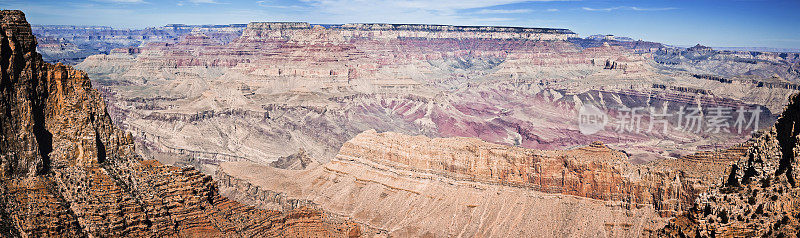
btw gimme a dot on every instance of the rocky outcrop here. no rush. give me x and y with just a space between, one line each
409 203
614 65
67 170
638 46
700 48
414 185
758 194
593 171
243 191
26 143
299 160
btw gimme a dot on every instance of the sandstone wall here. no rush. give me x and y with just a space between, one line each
594 171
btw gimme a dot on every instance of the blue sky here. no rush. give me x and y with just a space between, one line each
733 23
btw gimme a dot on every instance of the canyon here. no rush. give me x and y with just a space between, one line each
391 130
68 171
272 91
414 186
72 44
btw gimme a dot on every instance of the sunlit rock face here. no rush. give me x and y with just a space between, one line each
66 170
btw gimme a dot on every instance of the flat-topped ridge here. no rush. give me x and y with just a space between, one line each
408 27
278 25
434 27
179 26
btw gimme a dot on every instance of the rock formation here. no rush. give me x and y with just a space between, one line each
593 171
760 66
401 202
758 194
414 185
276 88
299 160
67 170
72 44
277 113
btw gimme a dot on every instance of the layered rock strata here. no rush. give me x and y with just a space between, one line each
280 85
72 44
414 185
758 194
593 171
777 68
66 170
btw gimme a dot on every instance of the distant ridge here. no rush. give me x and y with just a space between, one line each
759 49
418 27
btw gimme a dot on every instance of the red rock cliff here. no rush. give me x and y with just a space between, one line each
66 170
594 171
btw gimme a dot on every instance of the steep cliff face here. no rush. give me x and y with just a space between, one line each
414 185
68 171
593 171
417 203
23 97
759 196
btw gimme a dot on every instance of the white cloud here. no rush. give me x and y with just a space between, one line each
203 1
627 8
444 5
512 11
503 11
197 2
270 4
493 19
122 1
409 11
601 9
450 12
653 9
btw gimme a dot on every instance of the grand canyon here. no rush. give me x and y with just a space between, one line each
293 129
